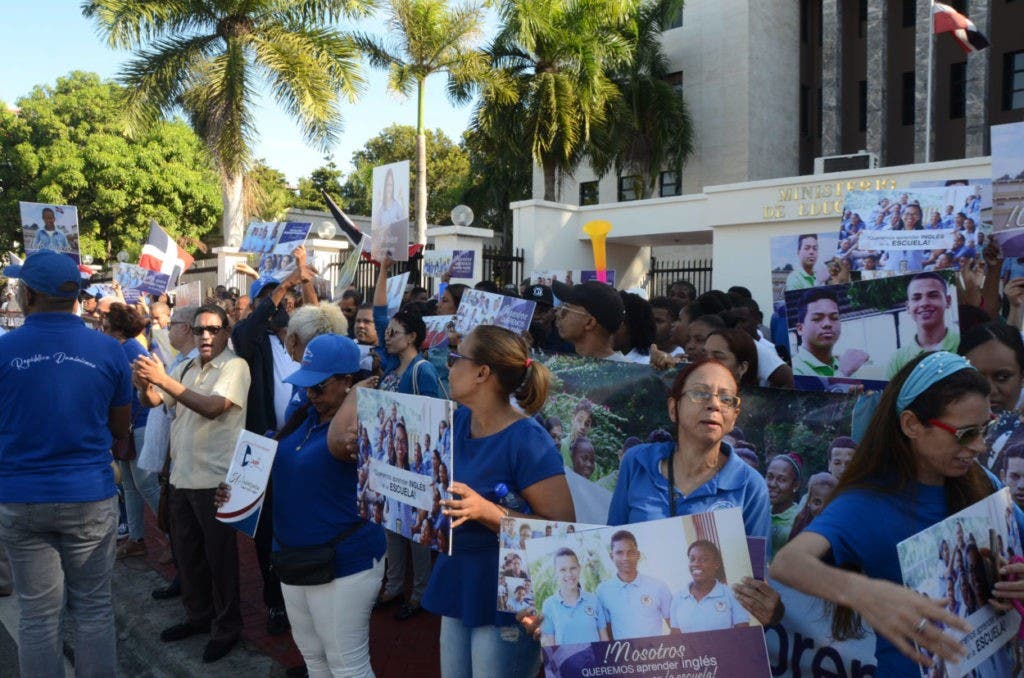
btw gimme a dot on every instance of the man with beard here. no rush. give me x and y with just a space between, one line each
542 325
928 299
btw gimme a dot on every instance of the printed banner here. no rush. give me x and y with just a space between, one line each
389 216
395 287
437 331
1008 188
140 280
586 276
405 464
676 621
546 277
279 262
248 476
485 308
50 227
189 294
347 272
971 545
906 240
803 261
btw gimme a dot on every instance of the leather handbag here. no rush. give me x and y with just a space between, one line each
308 565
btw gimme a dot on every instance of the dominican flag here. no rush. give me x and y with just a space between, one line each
357 237
162 254
948 20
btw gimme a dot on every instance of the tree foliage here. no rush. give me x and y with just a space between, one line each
325 178
66 145
267 192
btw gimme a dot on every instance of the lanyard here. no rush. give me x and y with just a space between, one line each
671 487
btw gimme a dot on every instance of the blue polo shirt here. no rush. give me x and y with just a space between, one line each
315 500
58 381
719 609
573 624
642 491
133 349
636 609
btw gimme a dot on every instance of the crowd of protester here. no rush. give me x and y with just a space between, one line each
169 388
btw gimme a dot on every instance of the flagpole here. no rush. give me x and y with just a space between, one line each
928 109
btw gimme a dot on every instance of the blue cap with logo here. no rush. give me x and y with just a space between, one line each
259 284
50 273
326 355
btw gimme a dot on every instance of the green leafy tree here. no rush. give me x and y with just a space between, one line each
326 178
267 192
428 37
208 57
448 165
65 145
499 171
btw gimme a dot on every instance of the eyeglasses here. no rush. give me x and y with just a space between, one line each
318 389
391 332
966 434
198 330
562 310
704 397
454 357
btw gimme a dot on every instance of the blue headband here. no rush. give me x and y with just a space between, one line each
935 367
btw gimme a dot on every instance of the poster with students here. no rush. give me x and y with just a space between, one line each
405 464
389 212
455 263
50 227
803 261
395 289
248 476
958 560
189 294
484 308
140 280
437 331
862 333
684 619
277 262
1008 188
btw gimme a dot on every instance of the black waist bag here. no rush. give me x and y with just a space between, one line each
308 565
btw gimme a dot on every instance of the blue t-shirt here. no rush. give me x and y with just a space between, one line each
427 381
315 500
642 491
718 610
463 585
132 350
580 622
636 609
59 380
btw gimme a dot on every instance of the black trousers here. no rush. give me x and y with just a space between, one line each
264 540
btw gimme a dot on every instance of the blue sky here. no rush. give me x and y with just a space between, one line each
44 39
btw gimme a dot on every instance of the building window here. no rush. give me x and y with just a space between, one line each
862 105
805 19
589 193
907 117
676 81
677 20
862 18
670 183
1013 80
909 13
817 110
805 111
629 188
957 89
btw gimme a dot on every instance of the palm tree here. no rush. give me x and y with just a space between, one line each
207 58
429 37
648 129
555 56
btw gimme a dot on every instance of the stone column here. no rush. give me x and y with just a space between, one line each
878 77
922 36
979 74
462 238
831 76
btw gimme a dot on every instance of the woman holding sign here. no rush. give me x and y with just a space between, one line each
915 466
507 465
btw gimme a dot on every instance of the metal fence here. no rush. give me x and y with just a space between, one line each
664 273
502 266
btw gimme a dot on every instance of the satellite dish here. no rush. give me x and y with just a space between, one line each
462 215
122 256
326 230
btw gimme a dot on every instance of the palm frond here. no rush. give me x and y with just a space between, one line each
130 23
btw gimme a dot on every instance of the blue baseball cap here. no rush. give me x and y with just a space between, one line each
326 355
259 284
50 273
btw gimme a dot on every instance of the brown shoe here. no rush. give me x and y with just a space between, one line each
131 549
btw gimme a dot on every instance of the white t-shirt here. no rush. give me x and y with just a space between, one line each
768 359
635 356
283 367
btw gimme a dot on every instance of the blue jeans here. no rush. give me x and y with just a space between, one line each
56 548
139 486
505 651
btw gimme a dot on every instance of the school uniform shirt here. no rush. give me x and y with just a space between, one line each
60 380
782 525
573 623
806 365
913 349
635 609
800 279
718 610
643 493
462 585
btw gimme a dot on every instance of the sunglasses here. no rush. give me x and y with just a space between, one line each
967 434
318 389
704 397
198 330
454 357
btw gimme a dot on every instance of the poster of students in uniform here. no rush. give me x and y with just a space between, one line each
484 308
438 327
136 281
50 227
389 212
1008 188
807 260
405 464
678 614
862 333
454 263
275 258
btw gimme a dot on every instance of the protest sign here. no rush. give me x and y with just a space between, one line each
437 262
395 287
799 261
568 276
405 464
347 272
864 332
278 262
588 275
485 308
389 213
463 262
260 237
189 294
968 207
1008 188
50 227
958 560
906 240
590 623
437 331
140 280
248 476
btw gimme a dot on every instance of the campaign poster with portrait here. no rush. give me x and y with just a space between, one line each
50 227
484 308
968 207
549 276
278 262
681 619
347 272
405 464
1008 188
437 262
862 333
958 559
248 476
803 261
437 331
140 280
395 288
389 212
260 237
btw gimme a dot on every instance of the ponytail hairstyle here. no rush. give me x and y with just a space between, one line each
517 373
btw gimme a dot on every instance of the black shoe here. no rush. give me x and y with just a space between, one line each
297 672
407 611
183 631
277 621
217 649
383 602
172 590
